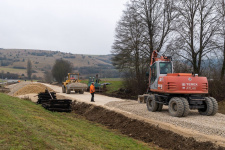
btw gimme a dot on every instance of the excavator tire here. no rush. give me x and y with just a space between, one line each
63 89
81 92
208 110
215 106
151 103
186 106
67 91
160 106
176 107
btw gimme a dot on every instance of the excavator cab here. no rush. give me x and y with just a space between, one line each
159 69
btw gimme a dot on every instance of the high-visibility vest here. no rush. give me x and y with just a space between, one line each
92 89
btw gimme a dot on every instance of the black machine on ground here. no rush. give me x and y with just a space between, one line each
50 102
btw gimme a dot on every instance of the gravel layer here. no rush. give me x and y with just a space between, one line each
209 125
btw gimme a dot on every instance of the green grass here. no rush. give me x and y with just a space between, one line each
84 81
115 84
12 70
25 125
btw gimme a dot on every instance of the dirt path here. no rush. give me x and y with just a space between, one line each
201 128
100 100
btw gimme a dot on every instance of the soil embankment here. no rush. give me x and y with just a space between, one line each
140 130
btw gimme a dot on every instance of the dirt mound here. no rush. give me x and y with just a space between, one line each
140 130
32 88
4 90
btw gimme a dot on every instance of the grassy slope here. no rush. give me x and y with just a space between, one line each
25 125
42 62
114 86
12 70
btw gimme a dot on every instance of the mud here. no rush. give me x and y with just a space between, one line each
121 93
140 130
4 90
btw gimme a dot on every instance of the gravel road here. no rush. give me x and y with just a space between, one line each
203 128
209 125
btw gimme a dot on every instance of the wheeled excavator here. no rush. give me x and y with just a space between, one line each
180 91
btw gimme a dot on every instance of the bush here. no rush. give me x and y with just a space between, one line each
134 85
48 78
216 89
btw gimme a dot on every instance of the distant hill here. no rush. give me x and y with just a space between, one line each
15 61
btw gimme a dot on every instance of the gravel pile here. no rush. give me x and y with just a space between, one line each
27 88
32 88
15 87
209 125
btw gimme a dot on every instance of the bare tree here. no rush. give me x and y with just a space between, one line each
144 27
48 78
29 69
221 37
128 45
195 29
158 17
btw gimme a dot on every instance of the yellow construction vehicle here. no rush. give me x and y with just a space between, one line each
73 84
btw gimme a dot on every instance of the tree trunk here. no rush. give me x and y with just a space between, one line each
223 67
199 63
195 66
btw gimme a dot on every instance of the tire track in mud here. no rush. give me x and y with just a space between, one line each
140 130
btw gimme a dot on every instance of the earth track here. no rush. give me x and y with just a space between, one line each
139 129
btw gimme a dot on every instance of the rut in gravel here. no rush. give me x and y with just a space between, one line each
140 130
194 121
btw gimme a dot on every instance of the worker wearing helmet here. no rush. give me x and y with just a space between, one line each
92 91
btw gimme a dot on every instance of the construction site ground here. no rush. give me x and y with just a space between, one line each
132 118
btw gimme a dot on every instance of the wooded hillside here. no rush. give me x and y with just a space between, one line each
15 61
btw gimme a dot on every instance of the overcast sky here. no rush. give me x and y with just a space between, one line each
76 26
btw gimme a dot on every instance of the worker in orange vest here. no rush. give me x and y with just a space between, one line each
92 91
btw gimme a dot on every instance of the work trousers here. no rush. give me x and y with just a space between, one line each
92 96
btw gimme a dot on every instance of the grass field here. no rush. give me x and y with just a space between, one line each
12 70
25 125
115 84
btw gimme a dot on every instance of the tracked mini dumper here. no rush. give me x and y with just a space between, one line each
49 101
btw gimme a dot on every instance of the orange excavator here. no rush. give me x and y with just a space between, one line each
180 91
